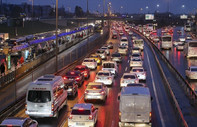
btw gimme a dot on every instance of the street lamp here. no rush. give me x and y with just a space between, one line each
147 8
56 34
183 6
157 8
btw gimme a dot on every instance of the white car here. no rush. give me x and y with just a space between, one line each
182 38
140 72
102 53
90 63
96 91
136 62
83 115
136 50
116 57
124 41
128 78
191 72
189 37
123 50
130 33
156 39
106 50
110 66
104 77
180 46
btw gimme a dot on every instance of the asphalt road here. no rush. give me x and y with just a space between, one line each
162 112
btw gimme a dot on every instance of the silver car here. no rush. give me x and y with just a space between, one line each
102 53
106 50
191 72
128 78
116 57
104 77
19 122
83 115
123 50
136 55
90 63
139 71
136 50
136 62
95 91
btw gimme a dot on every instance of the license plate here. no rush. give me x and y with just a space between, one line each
80 124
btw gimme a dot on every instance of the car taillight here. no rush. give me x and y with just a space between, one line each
90 117
52 107
70 116
77 78
119 114
102 92
64 78
150 114
9 125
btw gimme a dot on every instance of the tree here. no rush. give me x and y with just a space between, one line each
79 11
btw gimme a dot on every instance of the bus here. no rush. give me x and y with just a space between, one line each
190 49
166 42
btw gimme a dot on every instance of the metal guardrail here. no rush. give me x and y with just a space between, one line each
172 96
16 106
26 67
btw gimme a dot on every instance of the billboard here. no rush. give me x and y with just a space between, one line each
149 16
183 16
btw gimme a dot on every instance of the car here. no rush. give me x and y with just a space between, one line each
136 55
84 70
110 66
182 38
140 72
96 91
124 41
191 72
110 45
74 75
136 62
83 114
136 85
106 50
128 78
105 77
114 35
90 63
116 57
130 33
136 50
156 38
19 122
97 58
121 33
123 50
72 87
188 37
175 43
102 53
180 46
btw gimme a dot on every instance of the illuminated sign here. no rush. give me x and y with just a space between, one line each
183 16
149 17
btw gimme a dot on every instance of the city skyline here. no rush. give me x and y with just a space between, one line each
121 6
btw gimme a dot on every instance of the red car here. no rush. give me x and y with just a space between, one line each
74 75
84 70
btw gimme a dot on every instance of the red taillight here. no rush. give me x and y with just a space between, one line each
9 125
64 78
70 116
102 92
150 114
90 117
77 78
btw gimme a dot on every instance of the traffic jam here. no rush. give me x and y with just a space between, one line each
96 76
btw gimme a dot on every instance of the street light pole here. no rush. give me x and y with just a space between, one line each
103 12
56 34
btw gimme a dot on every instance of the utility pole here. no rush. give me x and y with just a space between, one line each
103 12
56 34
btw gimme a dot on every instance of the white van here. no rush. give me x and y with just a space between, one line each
134 106
110 66
46 96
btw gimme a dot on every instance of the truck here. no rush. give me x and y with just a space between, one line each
134 106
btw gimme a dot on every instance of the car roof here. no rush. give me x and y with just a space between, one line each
95 83
83 105
109 62
135 90
104 71
137 68
129 74
14 121
88 59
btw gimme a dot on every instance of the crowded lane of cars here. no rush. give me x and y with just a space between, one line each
93 82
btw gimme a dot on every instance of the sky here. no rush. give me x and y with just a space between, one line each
122 6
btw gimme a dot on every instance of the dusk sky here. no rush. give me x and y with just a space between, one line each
130 6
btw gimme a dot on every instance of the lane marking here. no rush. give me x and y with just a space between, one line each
126 69
80 98
112 125
156 96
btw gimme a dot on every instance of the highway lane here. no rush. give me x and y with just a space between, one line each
8 93
108 112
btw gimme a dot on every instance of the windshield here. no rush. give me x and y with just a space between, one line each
88 60
116 55
72 74
39 96
100 51
123 39
94 87
193 44
80 112
108 65
79 69
122 47
193 69
103 74
129 77
166 38
136 60
137 70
